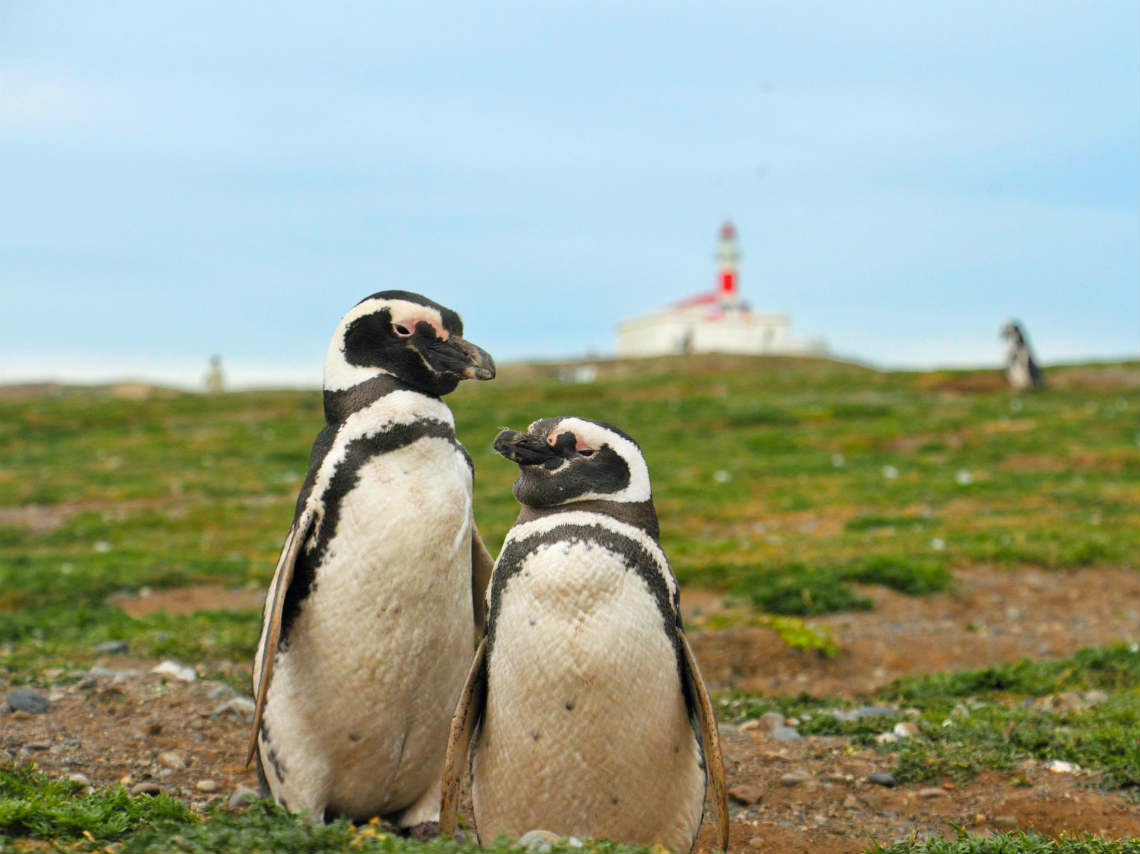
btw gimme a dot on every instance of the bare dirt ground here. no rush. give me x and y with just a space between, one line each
123 723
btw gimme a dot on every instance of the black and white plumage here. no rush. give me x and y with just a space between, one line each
1021 368
367 628
584 712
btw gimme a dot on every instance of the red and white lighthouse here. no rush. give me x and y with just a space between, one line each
727 257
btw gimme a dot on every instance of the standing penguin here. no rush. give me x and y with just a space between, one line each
367 628
591 716
1021 368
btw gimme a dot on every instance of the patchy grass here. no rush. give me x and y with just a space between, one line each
1010 843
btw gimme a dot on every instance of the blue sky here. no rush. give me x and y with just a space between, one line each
181 179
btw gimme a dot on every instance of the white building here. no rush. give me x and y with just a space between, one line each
715 322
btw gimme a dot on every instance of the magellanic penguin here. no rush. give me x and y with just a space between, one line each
584 712
368 624
1021 368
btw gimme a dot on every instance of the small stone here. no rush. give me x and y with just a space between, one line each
38 745
1058 766
175 670
115 647
1005 820
240 706
538 841
980 818
876 711
838 777
931 792
905 729
795 778
880 778
786 734
207 786
770 720
27 700
757 842
886 738
746 793
851 802
749 725
242 795
147 787
172 759
81 779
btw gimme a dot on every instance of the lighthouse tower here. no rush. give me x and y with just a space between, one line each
727 258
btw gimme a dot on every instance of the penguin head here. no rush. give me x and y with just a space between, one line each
563 460
407 336
1013 333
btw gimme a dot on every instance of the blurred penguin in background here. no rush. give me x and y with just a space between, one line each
1020 366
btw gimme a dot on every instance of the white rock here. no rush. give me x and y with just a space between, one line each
1058 766
175 670
905 729
886 738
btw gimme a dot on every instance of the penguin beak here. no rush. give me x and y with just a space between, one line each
463 359
524 449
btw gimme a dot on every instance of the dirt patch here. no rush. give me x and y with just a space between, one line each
993 616
189 600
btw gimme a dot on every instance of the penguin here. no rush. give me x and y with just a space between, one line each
1021 368
370 618
584 712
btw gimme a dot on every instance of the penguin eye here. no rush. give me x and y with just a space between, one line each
402 329
586 452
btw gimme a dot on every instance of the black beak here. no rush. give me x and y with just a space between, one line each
460 357
524 449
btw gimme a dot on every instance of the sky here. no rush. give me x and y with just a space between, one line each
183 179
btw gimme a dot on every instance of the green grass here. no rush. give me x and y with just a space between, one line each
1011 843
1002 728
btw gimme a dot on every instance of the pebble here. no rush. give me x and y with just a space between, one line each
235 705
175 670
746 793
880 778
81 779
770 720
206 786
242 795
905 729
795 778
27 700
1059 766
757 842
1005 820
931 792
851 802
147 787
38 745
172 759
115 647
886 738
785 733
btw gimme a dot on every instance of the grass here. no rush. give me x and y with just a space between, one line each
1001 727
1011 843
786 482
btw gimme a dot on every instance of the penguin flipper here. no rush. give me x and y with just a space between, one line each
271 617
468 713
710 740
481 565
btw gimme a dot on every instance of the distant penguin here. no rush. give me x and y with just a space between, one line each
1021 369
368 623
584 711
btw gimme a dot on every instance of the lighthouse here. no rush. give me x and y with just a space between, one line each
727 258
714 321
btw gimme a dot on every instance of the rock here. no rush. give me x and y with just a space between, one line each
876 711
795 778
886 738
931 792
838 777
1005 820
115 647
1093 698
242 795
1058 766
905 729
27 700
538 841
851 802
880 778
81 779
171 759
207 786
38 745
147 787
240 706
785 733
175 670
747 725
770 720
746 793
757 842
